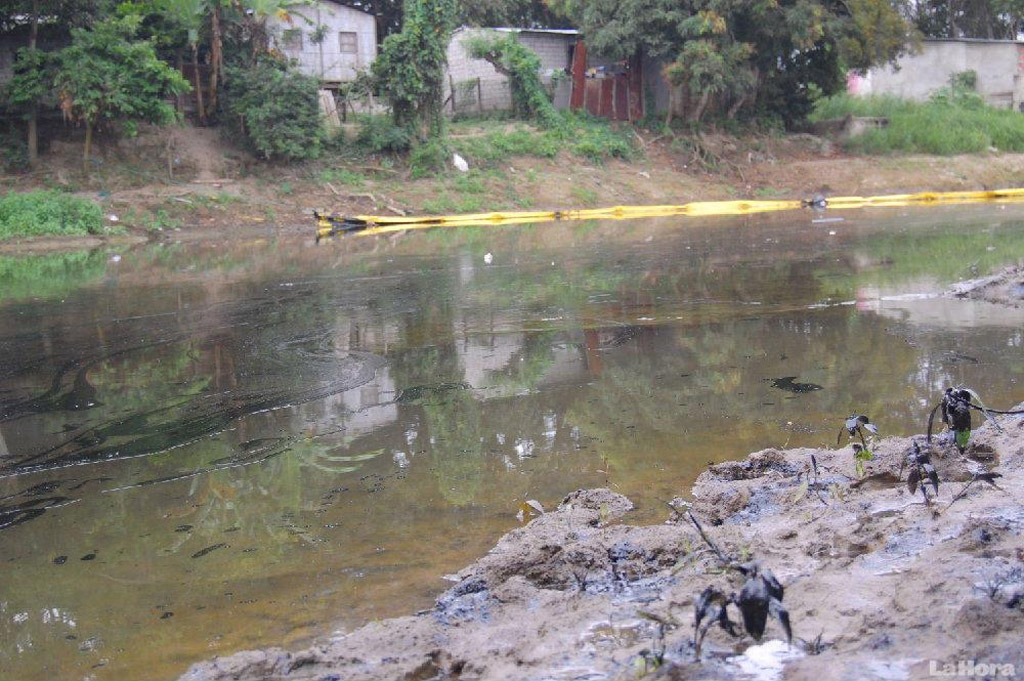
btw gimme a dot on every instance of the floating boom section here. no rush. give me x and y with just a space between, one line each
367 225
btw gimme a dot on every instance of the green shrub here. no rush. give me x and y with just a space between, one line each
48 213
427 158
960 92
275 108
380 134
600 140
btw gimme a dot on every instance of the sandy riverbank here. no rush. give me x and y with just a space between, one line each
878 583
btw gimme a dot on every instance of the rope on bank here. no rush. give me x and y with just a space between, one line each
367 225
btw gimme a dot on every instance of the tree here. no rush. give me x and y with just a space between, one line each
387 12
410 67
28 85
190 16
521 66
514 13
991 19
253 16
106 74
775 54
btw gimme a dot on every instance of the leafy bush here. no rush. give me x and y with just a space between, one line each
598 140
960 92
277 109
379 133
48 212
427 157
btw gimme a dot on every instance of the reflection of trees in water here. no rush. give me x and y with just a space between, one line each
699 386
453 426
453 417
942 252
49 276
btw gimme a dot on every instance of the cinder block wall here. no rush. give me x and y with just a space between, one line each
493 91
997 63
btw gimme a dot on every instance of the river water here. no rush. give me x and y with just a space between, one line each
206 447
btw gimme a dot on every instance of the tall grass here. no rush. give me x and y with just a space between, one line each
945 125
593 139
48 213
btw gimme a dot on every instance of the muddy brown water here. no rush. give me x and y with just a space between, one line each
213 446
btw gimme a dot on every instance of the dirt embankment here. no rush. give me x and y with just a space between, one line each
198 186
878 583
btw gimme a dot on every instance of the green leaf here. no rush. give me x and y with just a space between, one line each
864 455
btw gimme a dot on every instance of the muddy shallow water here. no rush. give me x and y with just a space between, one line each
221 445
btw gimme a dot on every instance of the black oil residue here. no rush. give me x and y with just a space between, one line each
418 393
209 549
790 384
16 513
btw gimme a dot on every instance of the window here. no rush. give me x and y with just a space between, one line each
291 39
348 43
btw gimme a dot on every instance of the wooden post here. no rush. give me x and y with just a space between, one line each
451 86
577 96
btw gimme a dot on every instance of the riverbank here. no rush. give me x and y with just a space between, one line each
879 582
212 190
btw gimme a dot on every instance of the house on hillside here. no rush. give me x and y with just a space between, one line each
473 86
998 63
329 41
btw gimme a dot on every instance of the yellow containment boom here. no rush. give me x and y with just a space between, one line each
366 225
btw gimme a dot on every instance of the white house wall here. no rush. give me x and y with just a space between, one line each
326 60
997 64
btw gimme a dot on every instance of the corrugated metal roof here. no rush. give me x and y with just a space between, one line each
333 2
552 31
972 40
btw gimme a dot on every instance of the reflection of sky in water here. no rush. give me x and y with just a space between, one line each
255 442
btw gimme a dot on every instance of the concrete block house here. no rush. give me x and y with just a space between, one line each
473 86
329 41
